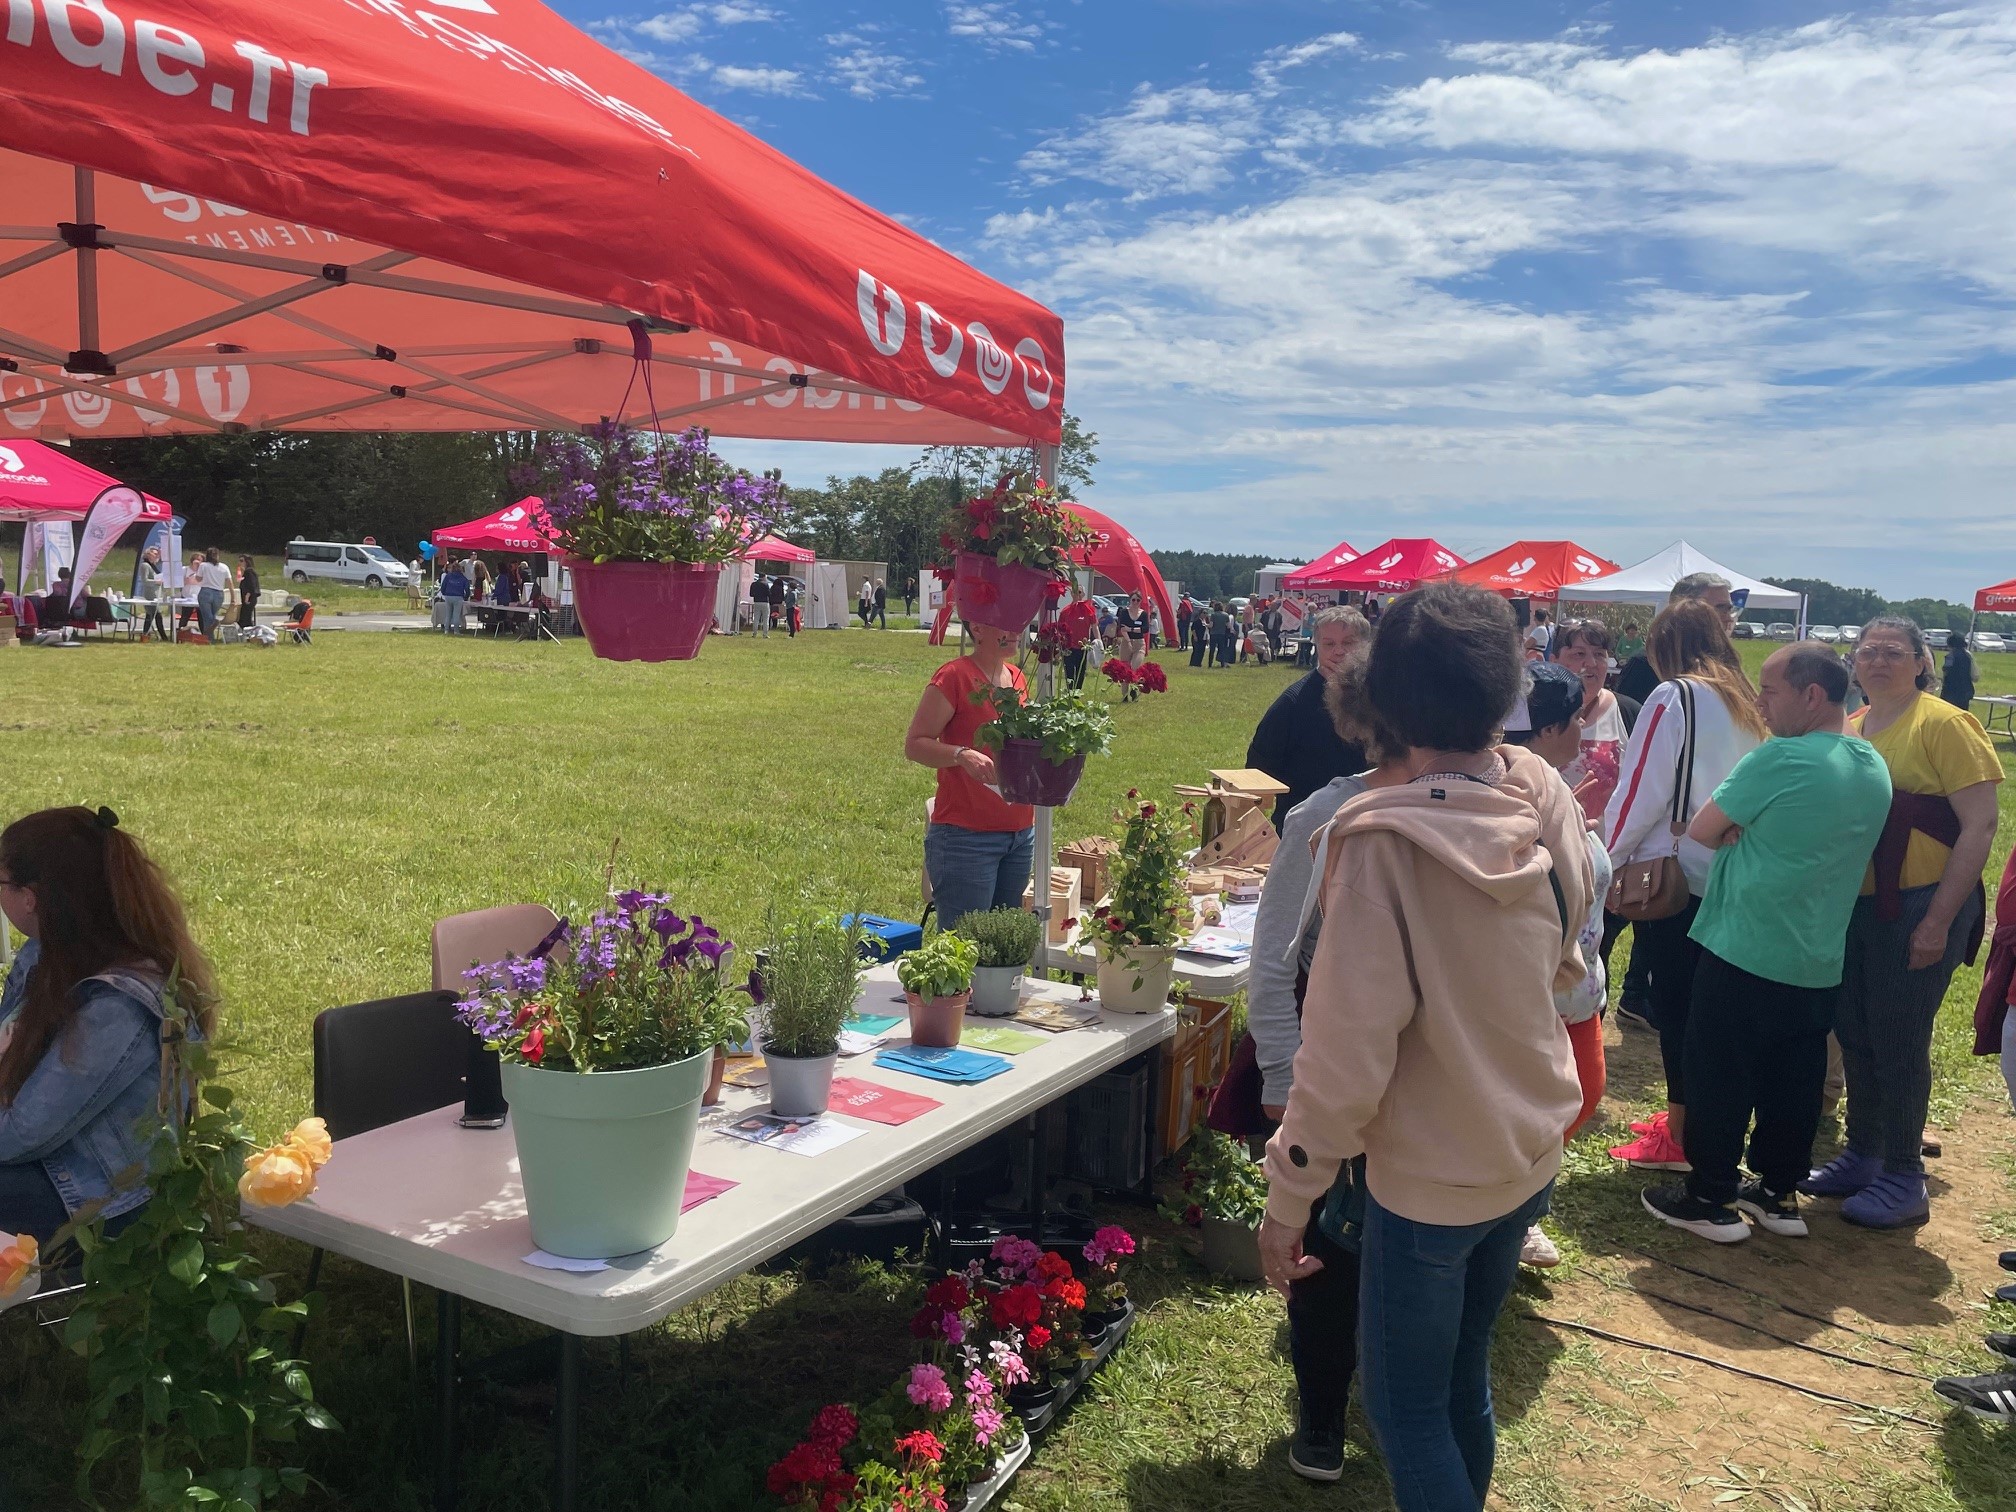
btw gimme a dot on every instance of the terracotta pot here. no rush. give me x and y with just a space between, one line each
711 1098
644 611
1005 595
937 1023
1028 776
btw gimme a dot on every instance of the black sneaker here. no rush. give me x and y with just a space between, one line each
1985 1396
2001 1343
2007 1260
1777 1211
1724 1225
1634 1010
1316 1453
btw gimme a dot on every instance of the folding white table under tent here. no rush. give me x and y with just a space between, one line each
1650 581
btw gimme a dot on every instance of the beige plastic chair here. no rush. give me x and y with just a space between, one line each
488 934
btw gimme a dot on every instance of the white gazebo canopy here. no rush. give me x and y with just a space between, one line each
1650 581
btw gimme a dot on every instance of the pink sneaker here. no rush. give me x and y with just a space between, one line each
1655 1124
1656 1151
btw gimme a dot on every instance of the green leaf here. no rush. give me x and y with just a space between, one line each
295 1379
317 1417
217 1095
185 1261
224 1322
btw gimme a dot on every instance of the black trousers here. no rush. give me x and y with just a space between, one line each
1323 1329
1074 668
1197 650
1671 956
1754 1046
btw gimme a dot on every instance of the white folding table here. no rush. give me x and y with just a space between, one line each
442 1205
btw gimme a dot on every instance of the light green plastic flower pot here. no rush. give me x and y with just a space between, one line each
604 1154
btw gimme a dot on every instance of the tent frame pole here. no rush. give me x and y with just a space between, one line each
1047 457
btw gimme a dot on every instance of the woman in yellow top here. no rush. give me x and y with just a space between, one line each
1919 915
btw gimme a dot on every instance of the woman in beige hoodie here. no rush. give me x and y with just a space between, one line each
1430 1040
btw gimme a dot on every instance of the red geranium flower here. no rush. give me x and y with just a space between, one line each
534 1046
1117 671
950 1293
925 1322
834 1425
1152 678
1052 1266
922 1444
1017 1307
1039 1336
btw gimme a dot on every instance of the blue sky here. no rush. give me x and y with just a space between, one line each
1337 269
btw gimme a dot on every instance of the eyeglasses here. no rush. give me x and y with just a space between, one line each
1884 654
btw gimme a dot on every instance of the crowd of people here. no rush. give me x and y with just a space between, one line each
467 582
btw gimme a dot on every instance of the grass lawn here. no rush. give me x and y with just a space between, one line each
321 806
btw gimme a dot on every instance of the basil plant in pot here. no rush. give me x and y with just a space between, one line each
1147 912
1040 748
1006 940
811 978
937 980
606 1035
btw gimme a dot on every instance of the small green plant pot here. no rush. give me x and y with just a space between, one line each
997 990
936 1022
604 1154
800 1085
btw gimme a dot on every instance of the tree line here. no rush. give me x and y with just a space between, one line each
1830 604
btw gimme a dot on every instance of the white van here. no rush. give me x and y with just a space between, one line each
369 564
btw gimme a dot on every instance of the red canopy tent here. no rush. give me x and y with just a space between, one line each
516 527
2001 598
1313 577
1534 569
1396 566
373 216
40 482
1126 561
777 549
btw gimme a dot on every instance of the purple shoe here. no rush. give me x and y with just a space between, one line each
1894 1200
1843 1176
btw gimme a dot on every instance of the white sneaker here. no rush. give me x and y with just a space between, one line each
1538 1251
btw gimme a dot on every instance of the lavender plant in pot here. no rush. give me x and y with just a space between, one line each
811 978
937 980
646 523
1006 940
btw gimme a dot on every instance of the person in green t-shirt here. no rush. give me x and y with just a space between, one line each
1792 826
1631 643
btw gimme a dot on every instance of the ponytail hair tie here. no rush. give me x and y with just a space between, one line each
105 819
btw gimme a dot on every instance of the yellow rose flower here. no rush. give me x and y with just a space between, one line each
17 1264
277 1176
311 1138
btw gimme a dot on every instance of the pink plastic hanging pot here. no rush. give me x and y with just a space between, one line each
1005 595
644 611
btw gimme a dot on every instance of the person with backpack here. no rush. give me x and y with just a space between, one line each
1695 726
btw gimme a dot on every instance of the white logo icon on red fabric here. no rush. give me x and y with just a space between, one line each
1587 567
10 459
1519 569
223 399
944 360
1390 561
881 310
989 361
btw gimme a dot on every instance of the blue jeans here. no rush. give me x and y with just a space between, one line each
209 607
1428 1297
972 871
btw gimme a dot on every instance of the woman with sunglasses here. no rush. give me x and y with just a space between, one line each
80 1017
1920 913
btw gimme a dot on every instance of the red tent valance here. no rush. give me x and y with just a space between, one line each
2001 598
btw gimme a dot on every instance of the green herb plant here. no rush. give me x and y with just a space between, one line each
1003 936
811 977
184 1335
941 967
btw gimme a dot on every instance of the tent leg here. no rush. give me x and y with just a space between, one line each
1046 684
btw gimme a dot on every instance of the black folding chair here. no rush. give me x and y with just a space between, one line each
379 1062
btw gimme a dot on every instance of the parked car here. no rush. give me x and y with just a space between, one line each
1780 630
1850 634
1743 630
1987 640
1937 639
1831 634
369 564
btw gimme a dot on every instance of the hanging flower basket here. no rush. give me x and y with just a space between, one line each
1028 776
645 611
1005 595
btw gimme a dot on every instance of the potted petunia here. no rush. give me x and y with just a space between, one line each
811 977
606 1039
1010 549
1145 916
1006 940
937 981
645 524
1040 747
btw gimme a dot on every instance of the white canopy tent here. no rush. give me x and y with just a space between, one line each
1650 581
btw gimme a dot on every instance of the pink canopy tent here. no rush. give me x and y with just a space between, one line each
516 527
1126 561
1314 577
2001 598
1396 566
777 549
40 482
1535 569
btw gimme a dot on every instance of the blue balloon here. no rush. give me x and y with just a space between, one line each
427 548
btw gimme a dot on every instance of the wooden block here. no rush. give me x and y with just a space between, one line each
1250 781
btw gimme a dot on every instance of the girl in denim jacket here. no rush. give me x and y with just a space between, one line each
80 1017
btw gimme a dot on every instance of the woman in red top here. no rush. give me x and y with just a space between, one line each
1076 623
977 849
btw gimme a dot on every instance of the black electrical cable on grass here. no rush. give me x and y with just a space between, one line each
1754 1375
1797 1312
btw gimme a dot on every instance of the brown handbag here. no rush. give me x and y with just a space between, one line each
1657 888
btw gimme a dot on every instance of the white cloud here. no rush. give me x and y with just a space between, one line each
1278 60
775 81
995 24
1565 288
671 26
738 14
867 70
